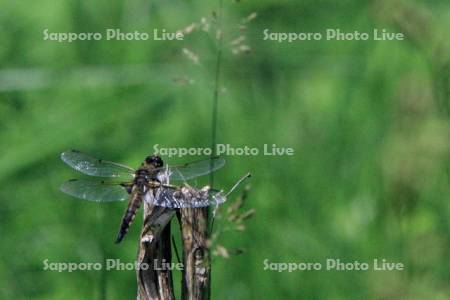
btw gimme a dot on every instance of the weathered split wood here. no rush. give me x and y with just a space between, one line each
155 248
196 259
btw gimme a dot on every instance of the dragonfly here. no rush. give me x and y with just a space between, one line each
150 183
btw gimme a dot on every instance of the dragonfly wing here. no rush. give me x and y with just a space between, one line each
166 198
186 197
97 191
95 167
195 169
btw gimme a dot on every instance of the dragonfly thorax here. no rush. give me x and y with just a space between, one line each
143 176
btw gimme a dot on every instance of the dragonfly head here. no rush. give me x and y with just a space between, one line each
154 160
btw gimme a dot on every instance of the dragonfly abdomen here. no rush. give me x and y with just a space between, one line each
130 214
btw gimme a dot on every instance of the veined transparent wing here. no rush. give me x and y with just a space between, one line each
195 169
95 167
98 191
186 197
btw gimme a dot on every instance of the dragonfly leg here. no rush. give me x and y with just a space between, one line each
170 186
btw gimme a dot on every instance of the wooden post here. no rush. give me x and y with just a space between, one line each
154 249
196 259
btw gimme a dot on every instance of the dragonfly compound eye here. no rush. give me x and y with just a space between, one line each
154 160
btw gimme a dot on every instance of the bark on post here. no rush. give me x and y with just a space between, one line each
155 248
196 259
155 245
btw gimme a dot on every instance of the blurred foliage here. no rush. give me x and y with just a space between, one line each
369 122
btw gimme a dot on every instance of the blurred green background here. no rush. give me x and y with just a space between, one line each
368 121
